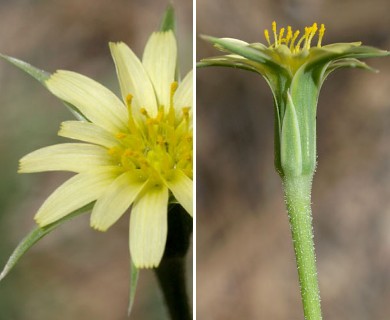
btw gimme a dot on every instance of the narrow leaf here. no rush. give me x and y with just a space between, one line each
133 286
238 47
35 235
41 76
36 73
168 22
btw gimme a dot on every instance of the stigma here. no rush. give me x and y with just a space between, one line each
290 38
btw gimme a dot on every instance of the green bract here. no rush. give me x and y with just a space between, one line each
295 72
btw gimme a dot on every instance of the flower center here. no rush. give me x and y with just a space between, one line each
155 146
291 38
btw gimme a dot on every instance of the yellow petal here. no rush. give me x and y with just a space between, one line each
133 78
94 101
115 200
87 132
149 227
182 189
183 95
159 59
75 193
75 157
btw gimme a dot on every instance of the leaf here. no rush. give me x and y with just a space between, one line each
34 236
238 47
290 144
36 73
168 22
133 286
41 76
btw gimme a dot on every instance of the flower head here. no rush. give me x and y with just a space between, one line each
295 71
135 152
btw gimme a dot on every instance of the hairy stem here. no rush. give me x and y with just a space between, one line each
297 192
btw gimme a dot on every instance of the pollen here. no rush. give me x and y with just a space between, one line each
291 40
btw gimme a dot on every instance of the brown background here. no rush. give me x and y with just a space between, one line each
76 272
245 260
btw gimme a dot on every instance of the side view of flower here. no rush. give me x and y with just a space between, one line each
136 152
295 71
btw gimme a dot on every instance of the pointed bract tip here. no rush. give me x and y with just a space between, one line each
208 38
168 21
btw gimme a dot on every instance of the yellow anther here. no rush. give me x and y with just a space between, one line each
186 113
129 99
294 38
128 153
120 135
174 86
289 35
281 34
186 110
266 35
321 35
313 29
144 112
112 151
274 31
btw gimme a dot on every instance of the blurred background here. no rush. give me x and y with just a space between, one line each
75 272
245 260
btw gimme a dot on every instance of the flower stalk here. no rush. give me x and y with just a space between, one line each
171 272
297 191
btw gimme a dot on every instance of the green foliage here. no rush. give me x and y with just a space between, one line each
34 236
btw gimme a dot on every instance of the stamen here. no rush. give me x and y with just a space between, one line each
131 122
313 30
129 99
321 35
144 112
152 144
296 34
174 86
281 33
112 151
289 35
266 35
120 135
128 153
274 31
303 38
171 112
186 113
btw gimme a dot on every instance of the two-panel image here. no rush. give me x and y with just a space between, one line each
182 160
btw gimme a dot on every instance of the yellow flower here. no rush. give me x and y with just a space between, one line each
295 71
135 153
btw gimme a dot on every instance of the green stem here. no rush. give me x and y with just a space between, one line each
297 192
